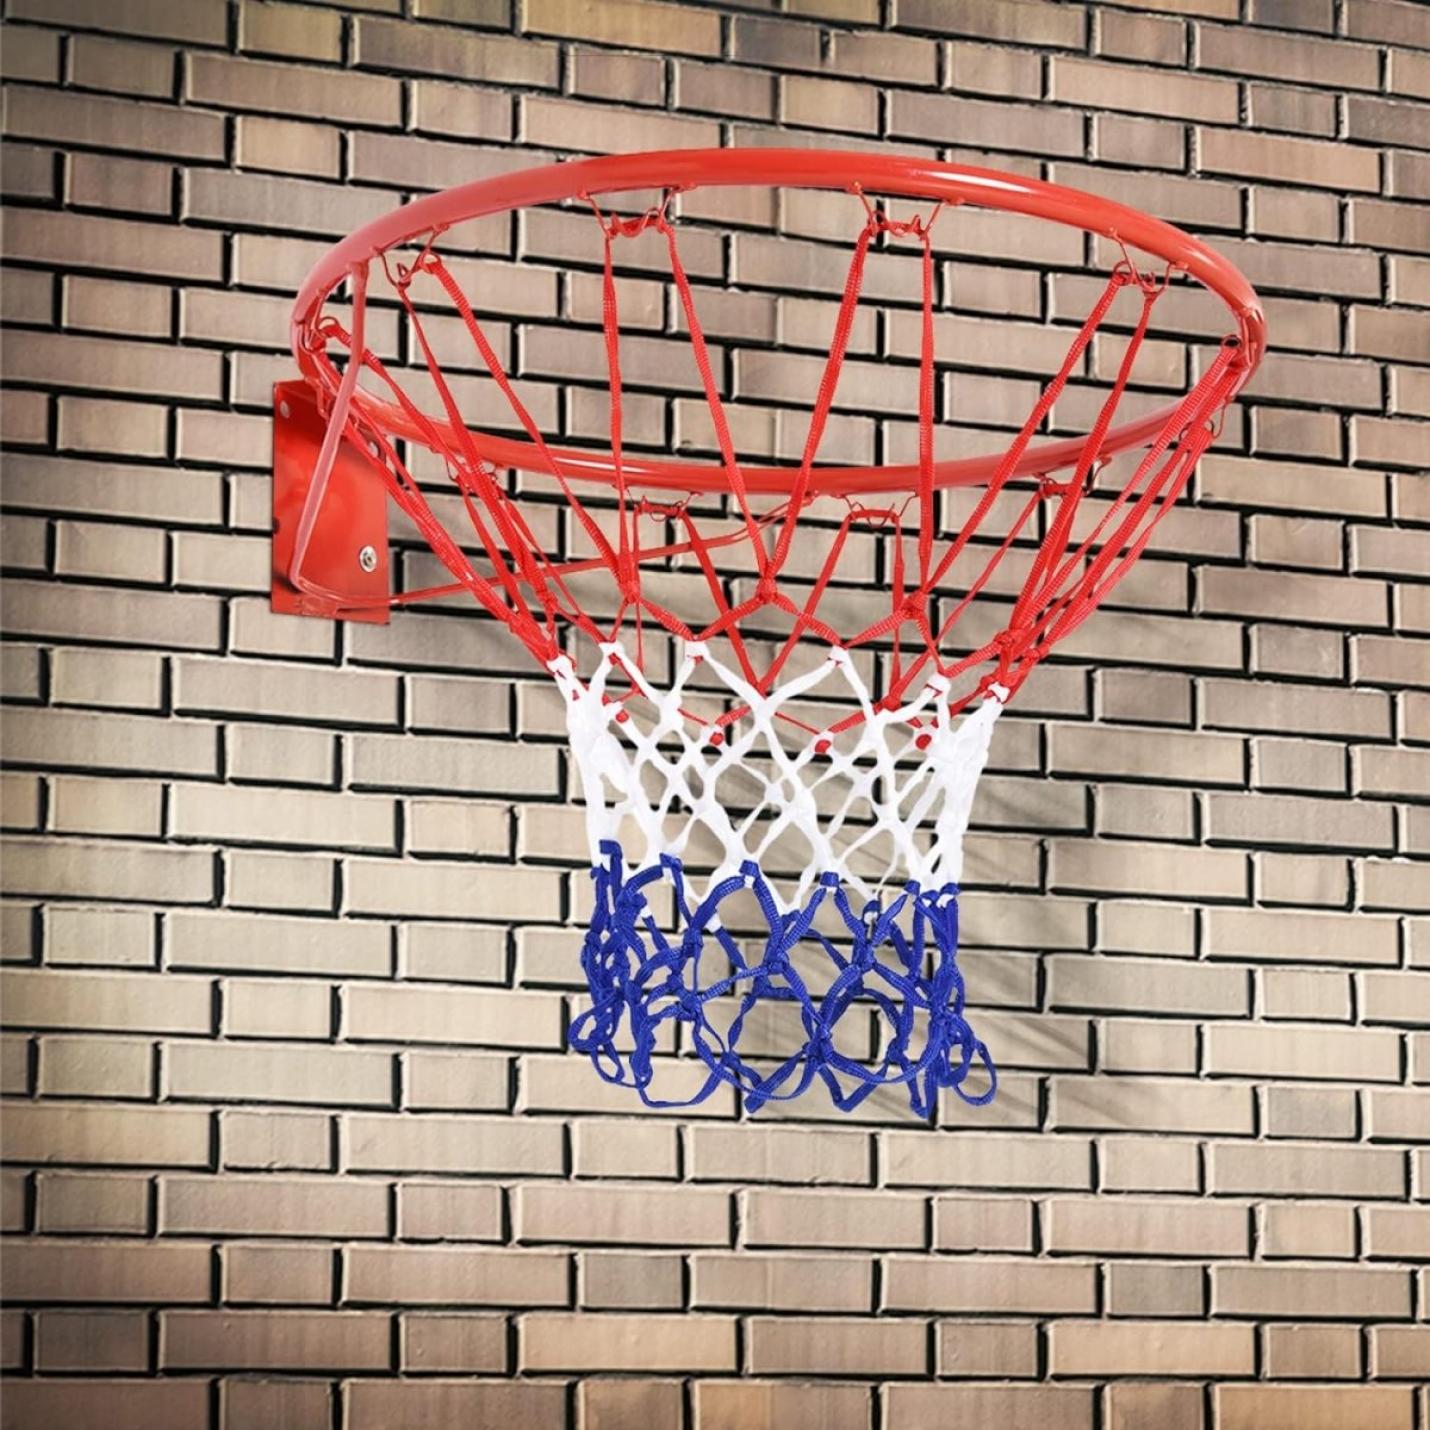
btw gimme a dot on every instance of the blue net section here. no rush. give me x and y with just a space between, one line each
897 960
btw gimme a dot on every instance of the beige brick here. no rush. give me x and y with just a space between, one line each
115 1404
410 1143
84 119
113 553
123 743
618 1281
66 1203
428 49
752 1154
648 1217
1168 870
921 1159
254 1404
1154 1289
100 1135
449 766
272 1206
113 1002
455 1082
1397 1116
276 1008
560 1083
96 1067
279 1274
42 1270
1298 764
496 1018
452 953
1158 754
269 753
1386 225
1304 993
610 1148
33 54
1103 86
1015 1407
113 807
1027 22
91 613
1162 1104
1157 928
1397 1233
1400 1352
833 1346
90 1341
748 1404
971 1224
290 31
1173 1348
1319 1407
251 943
276 201
970 1350
435 1343
1304 1170
1314 938
92 241
15 1060
1252 1050
749 1281
962 1285
657 26
1301 161
833 1219
555 1341
997 125
1304 1291
1146 986
1312 1352
1287 57
467 1276
109 365
275 1340
1168 1406
1310 1112
454 109
1122 1227
451 890
105 305
287 89
1283 486
829 104
272 1072
1294 596
383 1404
229 687
724 89
448 1211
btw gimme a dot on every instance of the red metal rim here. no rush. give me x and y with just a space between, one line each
682 169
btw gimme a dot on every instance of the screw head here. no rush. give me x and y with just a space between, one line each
367 558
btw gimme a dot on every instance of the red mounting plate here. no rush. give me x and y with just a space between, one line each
352 519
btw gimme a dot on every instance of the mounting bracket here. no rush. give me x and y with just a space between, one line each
348 551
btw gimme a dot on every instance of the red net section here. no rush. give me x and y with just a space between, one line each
1040 548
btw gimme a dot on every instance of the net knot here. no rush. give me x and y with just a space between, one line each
628 576
614 226
913 607
767 590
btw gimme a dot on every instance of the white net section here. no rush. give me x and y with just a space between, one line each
885 803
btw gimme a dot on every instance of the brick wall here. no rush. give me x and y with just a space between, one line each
293 1142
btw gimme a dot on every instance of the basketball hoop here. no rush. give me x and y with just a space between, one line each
788 765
